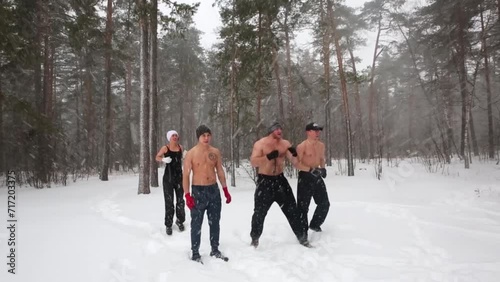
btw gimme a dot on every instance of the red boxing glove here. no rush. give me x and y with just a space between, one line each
189 201
227 195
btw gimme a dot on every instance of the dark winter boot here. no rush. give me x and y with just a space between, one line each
180 225
305 243
169 230
316 229
196 257
217 254
254 243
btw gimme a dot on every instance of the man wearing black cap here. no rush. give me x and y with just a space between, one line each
205 162
268 155
311 152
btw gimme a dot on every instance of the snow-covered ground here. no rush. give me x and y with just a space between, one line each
410 226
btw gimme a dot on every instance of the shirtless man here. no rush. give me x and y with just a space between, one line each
311 152
268 155
206 164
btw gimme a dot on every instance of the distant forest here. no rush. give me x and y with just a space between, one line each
88 87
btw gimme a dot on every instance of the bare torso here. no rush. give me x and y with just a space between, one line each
311 153
265 146
204 161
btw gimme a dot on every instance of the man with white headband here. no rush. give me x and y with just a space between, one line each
171 155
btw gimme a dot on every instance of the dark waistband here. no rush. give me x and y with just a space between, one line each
270 177
205 186
308 174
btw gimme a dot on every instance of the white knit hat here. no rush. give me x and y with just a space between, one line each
170 133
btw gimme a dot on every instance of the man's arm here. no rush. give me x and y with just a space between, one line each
186 172
322 156
257 157
295 160
220 170
300 152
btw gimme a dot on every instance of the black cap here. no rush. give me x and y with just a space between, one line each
313 126
275 125
202 129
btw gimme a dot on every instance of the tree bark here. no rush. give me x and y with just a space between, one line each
491 135
345 99
276 67
475 146
232 102
128 99
372 94
326 41
107 111
3 167
259 77
291 104
462 75
153 105
360 132
144 153
48 99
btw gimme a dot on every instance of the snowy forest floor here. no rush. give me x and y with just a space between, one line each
410 226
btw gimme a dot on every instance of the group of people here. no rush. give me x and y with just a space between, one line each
201 191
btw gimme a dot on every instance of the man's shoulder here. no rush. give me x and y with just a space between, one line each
285 142
214 150
260 142
302 144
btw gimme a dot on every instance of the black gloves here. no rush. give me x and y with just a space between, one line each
318 171
273 155
293 151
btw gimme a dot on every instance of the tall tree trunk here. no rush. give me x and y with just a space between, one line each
371 98
153 105
462 75
89 113
360 132
3 168
47 100
181 131
232 115
144 154
291 104
107 111
491 135
326 41
345 99
276 67
128 115
448 117
128 98
259 77
37 76
232 101
475 146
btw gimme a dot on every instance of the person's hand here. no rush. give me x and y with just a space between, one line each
189 201
315 171
293 151
167 160
323 172
273 155
227 195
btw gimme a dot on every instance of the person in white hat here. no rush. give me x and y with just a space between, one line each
171 155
